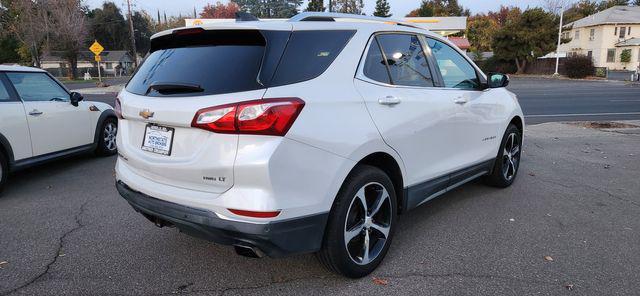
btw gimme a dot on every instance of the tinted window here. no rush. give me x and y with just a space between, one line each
37 87
309 54
209 69
375 67
456 71
406 60
218 62
4 94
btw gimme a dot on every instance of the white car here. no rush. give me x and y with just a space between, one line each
309 135
40 120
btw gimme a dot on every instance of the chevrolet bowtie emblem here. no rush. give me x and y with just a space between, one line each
146 114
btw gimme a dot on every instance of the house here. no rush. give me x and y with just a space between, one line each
55 63
604 37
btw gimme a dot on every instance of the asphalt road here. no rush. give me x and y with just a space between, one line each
551 100
548 100
65 231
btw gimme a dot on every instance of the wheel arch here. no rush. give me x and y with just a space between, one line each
106 114
5 149
390 166
518 122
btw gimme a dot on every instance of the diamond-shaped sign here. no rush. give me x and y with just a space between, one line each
96 48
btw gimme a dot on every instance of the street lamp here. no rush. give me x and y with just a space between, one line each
559 40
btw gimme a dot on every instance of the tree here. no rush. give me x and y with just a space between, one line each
70 23
439 8
480 30
270 8
108 26
506 15
625 56
579 10
143 29
29 23
532 35
382 8
605 4
220 10
315 5
348 6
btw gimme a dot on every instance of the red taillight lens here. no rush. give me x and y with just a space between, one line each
254 214
118 109
271 117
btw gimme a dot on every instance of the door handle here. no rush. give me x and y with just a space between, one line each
389 100
460 100
35 112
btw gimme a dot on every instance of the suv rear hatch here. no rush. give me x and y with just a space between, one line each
193 69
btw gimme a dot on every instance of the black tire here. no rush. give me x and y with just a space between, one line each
342 258
105 146
4 170
506 165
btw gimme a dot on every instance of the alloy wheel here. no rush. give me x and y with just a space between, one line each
511 157
368 223
110 132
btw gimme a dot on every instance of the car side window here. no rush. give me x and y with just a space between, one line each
37 87
375 66
456 71
4 93
406 60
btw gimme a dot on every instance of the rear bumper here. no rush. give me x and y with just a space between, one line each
275 239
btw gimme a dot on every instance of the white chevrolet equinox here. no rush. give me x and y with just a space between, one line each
308 135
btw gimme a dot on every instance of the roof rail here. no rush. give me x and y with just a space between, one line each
332 16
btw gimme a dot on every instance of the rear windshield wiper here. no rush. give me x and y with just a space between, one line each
167 88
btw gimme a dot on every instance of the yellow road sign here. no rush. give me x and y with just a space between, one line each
98 58
96 48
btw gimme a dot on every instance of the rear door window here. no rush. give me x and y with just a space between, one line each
406 60
375 66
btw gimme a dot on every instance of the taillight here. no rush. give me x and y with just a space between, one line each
118 109
271 117
254 214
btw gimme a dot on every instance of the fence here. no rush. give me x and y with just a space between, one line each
546 67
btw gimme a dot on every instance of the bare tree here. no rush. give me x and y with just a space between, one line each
555 6
70 32
29 22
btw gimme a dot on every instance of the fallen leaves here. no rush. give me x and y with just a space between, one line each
568 287
380 282
3 263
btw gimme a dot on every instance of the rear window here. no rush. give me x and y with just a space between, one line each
218 62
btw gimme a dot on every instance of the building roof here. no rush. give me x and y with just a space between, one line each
629 42
19 68
613 15
87 56
461 42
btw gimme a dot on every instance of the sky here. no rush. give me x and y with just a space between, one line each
399 8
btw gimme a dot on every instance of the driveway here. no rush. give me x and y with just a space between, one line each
568 226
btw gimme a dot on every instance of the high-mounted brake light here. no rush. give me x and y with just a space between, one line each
118 108
254 214
271 117
190 31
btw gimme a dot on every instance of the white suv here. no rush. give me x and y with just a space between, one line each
309 135
40 120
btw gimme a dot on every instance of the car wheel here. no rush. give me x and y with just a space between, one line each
107 140
4 171
361 223
507 163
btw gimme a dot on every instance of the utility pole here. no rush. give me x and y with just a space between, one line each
559 40
133 38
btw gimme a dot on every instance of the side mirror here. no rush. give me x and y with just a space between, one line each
75 98
497 80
